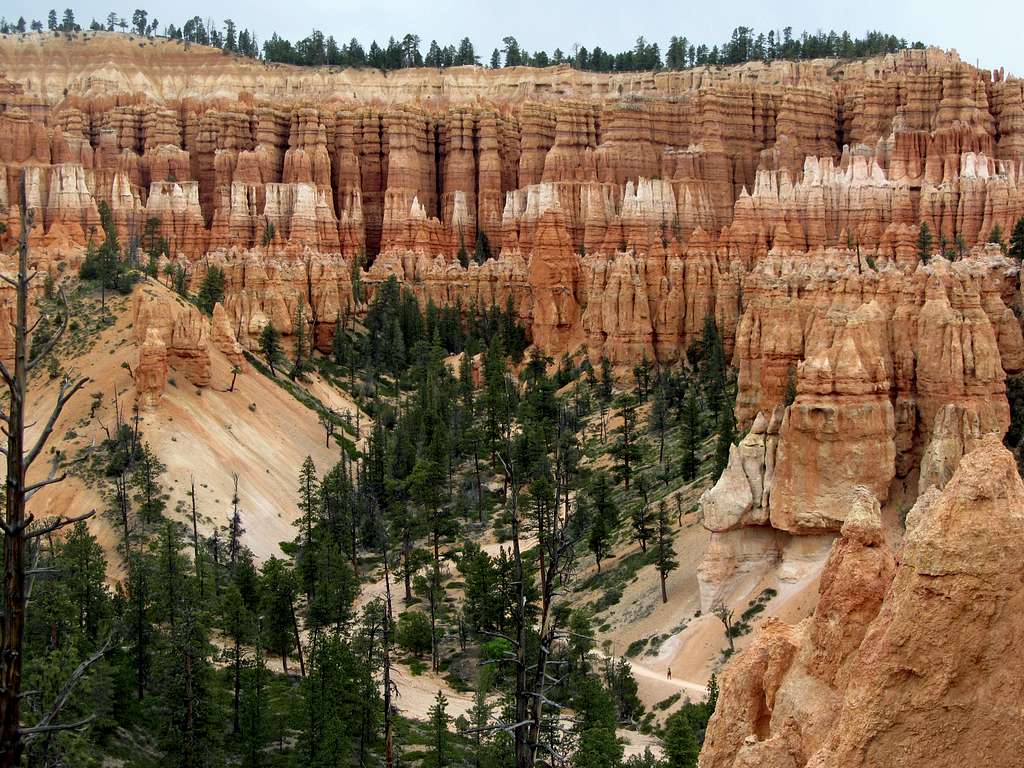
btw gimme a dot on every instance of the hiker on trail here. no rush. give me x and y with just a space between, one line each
670 673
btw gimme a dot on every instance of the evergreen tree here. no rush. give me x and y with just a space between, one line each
82 568
726 435
711 363
184 700
605 390
995 236
691 437
659 418
300 339
309 508
338 700
277 607
1016 249
270 345
604 517
211 292
236 621
641 522
666 561
439 719
625 450
482 249
145 478
254 704
680 743
924 243
642 377
789 394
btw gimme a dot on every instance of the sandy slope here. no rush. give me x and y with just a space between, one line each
693 650
258 431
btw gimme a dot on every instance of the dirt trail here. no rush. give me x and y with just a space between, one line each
416 693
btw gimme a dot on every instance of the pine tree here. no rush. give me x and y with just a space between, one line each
995 236
642 378
184 695
641 523
254 704
712 366
679 742
277 606
236 622
211 292
1016 249
301 341
482 249
924 243
666 561
439 719
145 479
270 345
691 438
82 567
626 450
658 421
789 394
604 517
309 508
726 435
235 529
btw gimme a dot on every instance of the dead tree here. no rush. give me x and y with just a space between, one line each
724 615
17 525
556 542
327 422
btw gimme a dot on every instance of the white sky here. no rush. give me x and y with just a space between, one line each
987 32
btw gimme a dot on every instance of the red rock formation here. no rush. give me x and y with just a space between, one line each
181 327
151 370
223 337
834 690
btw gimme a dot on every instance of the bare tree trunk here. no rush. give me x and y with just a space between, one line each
195 537
235 725
16 523
298 641
388 736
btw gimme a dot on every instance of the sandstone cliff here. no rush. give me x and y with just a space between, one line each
912 658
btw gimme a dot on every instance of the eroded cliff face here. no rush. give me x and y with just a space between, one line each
732 162
619 212
614 214
898 374
912 657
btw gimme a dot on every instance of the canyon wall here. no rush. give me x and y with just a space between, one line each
633 204
913 654
612 213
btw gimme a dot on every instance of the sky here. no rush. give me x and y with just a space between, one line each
984 32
